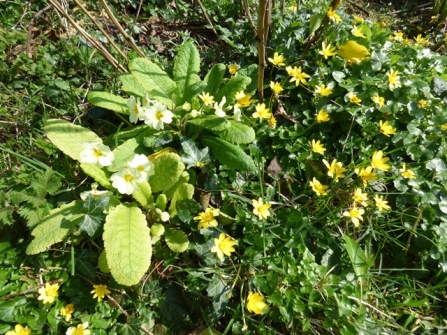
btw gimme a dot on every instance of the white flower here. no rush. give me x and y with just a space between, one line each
96 153
145 102
135 109
186 106
157 115
219 108
143 167
236 113
125 180
164 216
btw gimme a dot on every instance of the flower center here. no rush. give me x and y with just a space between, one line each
128 178
97 153
159 115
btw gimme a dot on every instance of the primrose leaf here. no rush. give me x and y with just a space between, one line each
193 156
211 122
235 84
127 243
186 71
238 133
168 168
69 138
176 240
214 78
109 101
123 154
94 216
101 176
184 191
131 85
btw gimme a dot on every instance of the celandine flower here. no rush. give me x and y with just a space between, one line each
218 107
335 169
407 173
125 180
276 87
223 246
422 104
421 40
327 51
48 293
207 99
355 214
207 218
297 75
272 122
96 153
381 203
262 112
19 330
358 19
333 16
323 90
379 162
157 115
243 99
322 116
255 303
393 79
353 98
359 197
317 187
260 209
100 291
386 129
79 330
318 147
67 312
277 60
378 100
366 174
358 32
398 36
233 68
143 167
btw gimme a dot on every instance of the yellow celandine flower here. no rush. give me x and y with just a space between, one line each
407 173
276 87
292 8
359 197
323 90
406 41
422 104
358 32
353 98
233 68
99 291
379 162
333 16
358 20
243 99
353 52
277 60
255 303
67 312
382 24
272 122
398 36
386 129
80 329
19 330
223 245
381 203
317 187
48 293
355 214
262 112
207 218
297 75
207 99
421 40
260 209
327 51
318 147
393 79
322 116
335 169
378 100
443 126
366 174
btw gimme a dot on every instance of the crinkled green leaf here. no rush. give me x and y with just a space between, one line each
108 101
102 263
186 71
183 192
238 133
184 177
131 85
123 154
98 174
214 78
211 122
168 168
235 84
127 243
176 240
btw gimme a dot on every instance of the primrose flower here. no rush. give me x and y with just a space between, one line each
233 68
353 98
333 16
145 101
393 79
157 115
317 187
353 52
386 129
261 112
323 90
277 60
223 245
421 40
125 180
276 87
297 75
381 203
398 36
219 108
236 113
378 100
355 214
366 174
359 197
260 209
335 169
322 116
358 32
422 104
206 98
67 312
318 147
143 167
243 99
135 109
48 293
81 329
186 106
407 173
96 153
19 330
358 19
379 162
99 291
207 219
327 51
255 303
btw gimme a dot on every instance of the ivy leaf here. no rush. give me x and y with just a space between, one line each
187 209
95 214
193 156
108 101
439 86
176 240
216 286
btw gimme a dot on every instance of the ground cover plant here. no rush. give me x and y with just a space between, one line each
201 206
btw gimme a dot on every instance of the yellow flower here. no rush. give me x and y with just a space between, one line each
260 209
261 112
357 32
398 36
323 90
297 75
393 79
318 147
322 116
359 197
333 16
207 218
19 330
353 98
99 291
421 40
292 8
382 24
243 99
379 162
386 129
366 174
233 68
67 311
407 173
422 104
223 245
79 330
327 51
317 187
335 169
277 59
406 41
358 20
353 52
48 293
206 98
255 303
272 122
355 214
276 87
381 203
378 100
443 126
